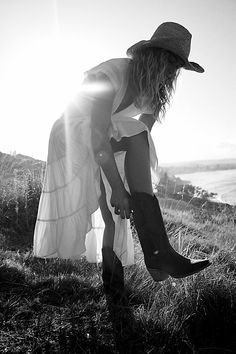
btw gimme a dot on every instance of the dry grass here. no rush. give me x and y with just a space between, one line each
58 306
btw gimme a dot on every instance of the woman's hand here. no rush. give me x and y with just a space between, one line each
120 200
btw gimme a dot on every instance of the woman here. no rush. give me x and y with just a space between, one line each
100 156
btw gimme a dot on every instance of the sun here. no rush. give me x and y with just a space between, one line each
40 80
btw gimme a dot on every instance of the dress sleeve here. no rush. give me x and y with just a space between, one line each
112 69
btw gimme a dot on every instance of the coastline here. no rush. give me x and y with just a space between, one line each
221 182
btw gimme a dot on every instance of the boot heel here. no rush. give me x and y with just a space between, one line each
158 275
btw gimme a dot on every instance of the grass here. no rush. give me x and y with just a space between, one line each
58 306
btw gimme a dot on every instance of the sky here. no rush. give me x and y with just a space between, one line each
46 45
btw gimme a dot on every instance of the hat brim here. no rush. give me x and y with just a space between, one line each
190 65
164 45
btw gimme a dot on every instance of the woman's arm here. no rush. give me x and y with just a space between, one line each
148 120
103 97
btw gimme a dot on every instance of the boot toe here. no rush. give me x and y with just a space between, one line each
195 266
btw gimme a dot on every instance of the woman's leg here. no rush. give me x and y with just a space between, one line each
160 258
112 270
137 164
109 231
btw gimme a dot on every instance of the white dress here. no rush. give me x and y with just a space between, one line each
69 222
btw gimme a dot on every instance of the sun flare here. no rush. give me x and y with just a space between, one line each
37 85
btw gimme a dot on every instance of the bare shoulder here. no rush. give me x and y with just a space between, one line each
98 86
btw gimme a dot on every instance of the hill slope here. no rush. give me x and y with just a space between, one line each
58 306
9 164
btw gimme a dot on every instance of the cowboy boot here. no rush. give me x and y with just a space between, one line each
112 274
159 256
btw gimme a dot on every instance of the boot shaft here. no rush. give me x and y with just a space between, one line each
160 258
112 272
149 223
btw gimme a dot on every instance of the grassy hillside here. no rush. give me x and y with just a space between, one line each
17 163
58 306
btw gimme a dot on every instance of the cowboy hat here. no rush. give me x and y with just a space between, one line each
173 37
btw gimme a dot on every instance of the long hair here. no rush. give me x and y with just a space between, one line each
154 72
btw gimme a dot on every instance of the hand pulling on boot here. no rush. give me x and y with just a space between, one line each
160 257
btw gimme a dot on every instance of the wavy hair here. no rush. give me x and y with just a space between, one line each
154 72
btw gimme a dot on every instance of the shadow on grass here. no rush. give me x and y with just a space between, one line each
10 240
11 276
58 306
66 314
123 325
208 317
135 335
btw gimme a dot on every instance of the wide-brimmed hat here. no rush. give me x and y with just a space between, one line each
173 37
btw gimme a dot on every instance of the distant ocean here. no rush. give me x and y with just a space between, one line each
221 182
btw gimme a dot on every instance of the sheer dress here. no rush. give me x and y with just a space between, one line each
69 223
